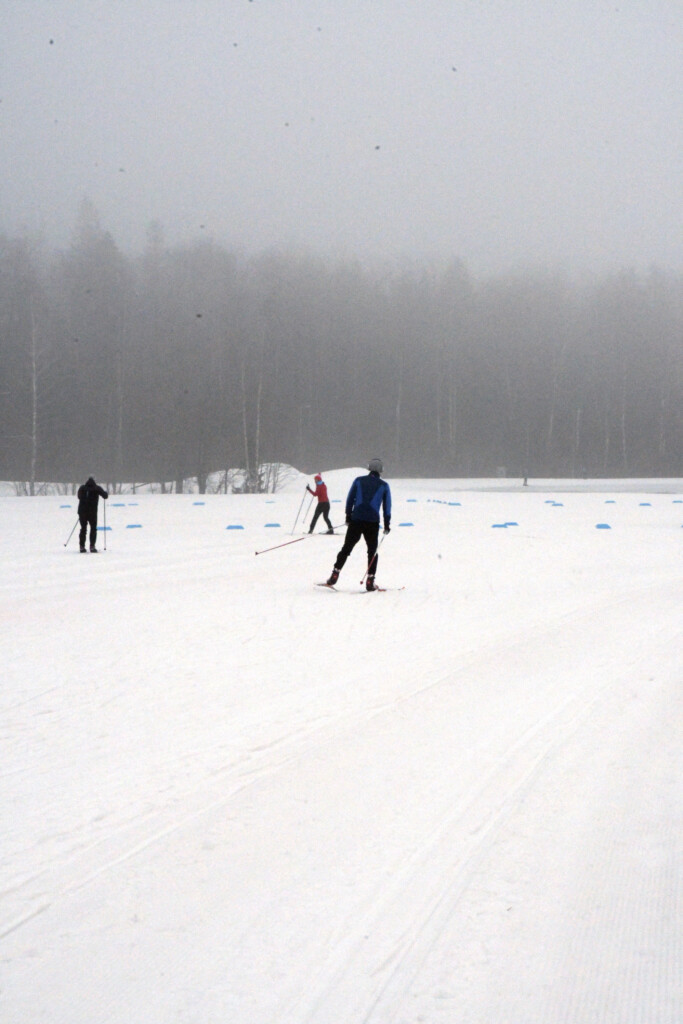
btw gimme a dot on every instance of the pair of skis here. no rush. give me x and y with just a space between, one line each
381 590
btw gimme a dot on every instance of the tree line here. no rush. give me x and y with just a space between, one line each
189 360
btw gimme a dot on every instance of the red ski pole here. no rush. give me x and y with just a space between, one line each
276 546
295 541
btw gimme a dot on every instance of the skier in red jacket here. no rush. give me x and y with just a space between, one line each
323 506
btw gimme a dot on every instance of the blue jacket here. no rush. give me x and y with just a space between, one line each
367 496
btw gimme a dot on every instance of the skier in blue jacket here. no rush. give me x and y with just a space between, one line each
367 497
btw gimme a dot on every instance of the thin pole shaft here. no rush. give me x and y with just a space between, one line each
300 507
105 524
72 532
308 510
284 545
373 559
295 541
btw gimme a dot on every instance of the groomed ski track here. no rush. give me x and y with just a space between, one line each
225 799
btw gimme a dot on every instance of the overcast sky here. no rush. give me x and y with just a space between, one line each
506 133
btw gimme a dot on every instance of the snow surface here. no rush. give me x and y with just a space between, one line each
231 797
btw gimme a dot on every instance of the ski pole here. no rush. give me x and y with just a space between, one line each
105 524
373 559
300 507
307 511
72 532
276 546
295 541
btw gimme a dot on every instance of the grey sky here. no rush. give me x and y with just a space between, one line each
507 133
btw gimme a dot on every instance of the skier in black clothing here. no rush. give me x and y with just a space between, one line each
367 497
89 495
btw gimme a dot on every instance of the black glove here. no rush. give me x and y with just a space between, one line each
348 520
387 528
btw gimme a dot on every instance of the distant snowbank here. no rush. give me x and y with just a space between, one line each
291 480
636 485
275 477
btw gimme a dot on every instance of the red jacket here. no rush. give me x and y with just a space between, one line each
320 491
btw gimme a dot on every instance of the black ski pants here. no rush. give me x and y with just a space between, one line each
88 520
322 509
354 532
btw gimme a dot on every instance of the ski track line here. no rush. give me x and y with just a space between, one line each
31 699
132 851
409 934
248 776
341 722
51 586
650 985
251 775
543 627
403 939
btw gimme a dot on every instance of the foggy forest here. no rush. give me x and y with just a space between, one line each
193 360
237 237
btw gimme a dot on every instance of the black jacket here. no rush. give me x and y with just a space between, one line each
89 494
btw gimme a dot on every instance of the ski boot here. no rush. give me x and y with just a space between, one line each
370 583
333 578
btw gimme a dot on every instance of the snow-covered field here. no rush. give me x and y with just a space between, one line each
231 797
